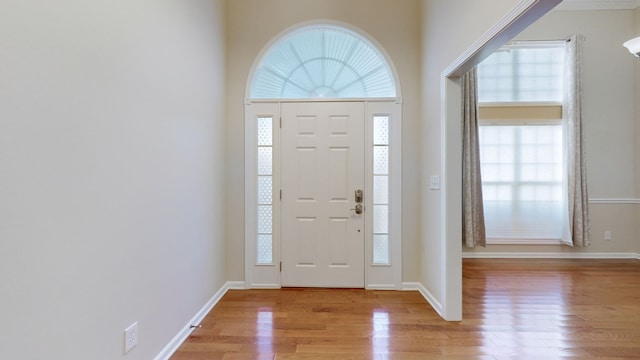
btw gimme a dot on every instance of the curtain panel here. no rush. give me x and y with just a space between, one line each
473 228
576 224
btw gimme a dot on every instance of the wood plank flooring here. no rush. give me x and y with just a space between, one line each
513 309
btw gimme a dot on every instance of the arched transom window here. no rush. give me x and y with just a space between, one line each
322 61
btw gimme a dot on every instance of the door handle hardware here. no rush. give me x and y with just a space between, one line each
357 209
359 196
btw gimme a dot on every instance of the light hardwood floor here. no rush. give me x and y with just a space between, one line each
513 309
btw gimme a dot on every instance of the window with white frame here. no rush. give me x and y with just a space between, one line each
520 91
381 190
264 172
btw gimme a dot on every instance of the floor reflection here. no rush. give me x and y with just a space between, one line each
264 330
380 338
525 315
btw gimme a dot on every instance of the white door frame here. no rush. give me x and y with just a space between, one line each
376 276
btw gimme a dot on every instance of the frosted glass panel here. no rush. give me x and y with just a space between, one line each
381 249
381 130
527 72
265 160
522 180
380 160
265 219
265 131
265 246
380 219
265 190
381 189
323 62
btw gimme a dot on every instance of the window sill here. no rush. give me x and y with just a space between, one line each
496 241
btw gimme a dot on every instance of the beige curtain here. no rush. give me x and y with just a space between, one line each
576 225
473 230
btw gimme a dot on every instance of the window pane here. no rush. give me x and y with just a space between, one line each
265 131
265 219
381 130
265 160
265 246
265 190
264 240
380 160
380 189
381 249
522 184
323 61
380 219
522 74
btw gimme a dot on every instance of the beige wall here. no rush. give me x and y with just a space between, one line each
609 103
112 173
252 24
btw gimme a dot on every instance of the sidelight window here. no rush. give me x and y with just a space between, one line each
265 190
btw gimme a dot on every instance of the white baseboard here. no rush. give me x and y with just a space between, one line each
264 286
381 287
547 255
416 286
236 285
184 333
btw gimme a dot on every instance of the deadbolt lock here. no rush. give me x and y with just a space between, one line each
358 196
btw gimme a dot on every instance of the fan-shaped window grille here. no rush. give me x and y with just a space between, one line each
322 61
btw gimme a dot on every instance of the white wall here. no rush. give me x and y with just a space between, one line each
609 102
111 173
448 29
252 24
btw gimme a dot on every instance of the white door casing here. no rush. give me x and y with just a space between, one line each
323 164
376 276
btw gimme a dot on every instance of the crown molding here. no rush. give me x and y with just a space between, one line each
598 5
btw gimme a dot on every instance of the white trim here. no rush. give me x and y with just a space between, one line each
397 100
236 285
525 13
381 287
614 201
598 5
548 255
184 333
416 286
489 104
254 274
264 286
268 276
497 241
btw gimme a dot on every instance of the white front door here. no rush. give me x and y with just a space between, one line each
322 165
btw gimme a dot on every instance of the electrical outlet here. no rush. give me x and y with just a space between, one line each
130 337
607 235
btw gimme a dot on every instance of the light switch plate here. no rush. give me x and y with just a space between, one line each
130 337
435 182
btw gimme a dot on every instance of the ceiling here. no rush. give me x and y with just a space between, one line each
598 4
